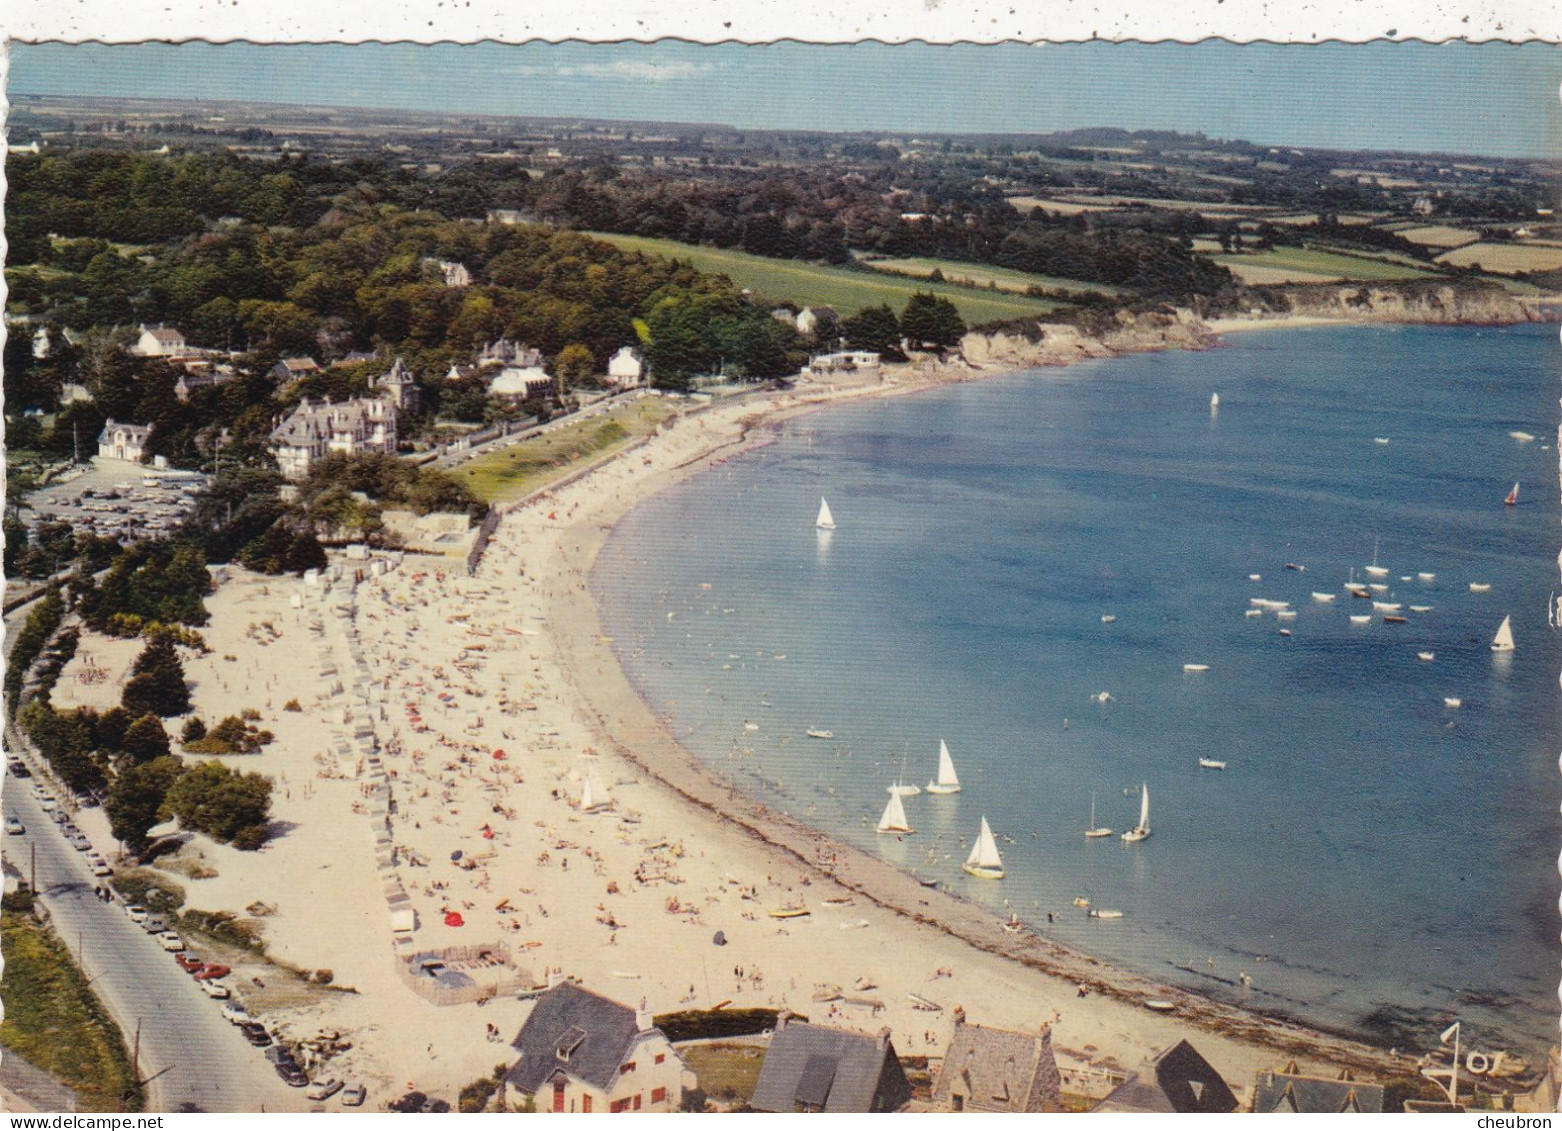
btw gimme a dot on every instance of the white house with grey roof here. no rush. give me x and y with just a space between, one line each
814 1068
316 429
123 441
582 1052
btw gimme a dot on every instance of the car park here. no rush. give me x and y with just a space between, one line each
354 1096
170 941
324 1089
13 827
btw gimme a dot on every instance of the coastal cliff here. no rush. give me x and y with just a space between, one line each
1432 304
1061 343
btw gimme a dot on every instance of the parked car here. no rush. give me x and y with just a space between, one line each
292 1077
255 1033
217 990
354 1096
169 940
100 867
18 769
56 814
324 1089
234 1013
136 912
189 965
154 925
280 1055
213 971
13 827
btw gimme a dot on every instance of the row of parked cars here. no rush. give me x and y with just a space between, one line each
56 813
210 977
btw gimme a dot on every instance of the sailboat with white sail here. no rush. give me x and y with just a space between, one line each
1095 830
947 781
894 819
985 862
1141 831
826 520
900 788
1503 641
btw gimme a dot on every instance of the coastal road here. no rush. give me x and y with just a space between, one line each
197 1061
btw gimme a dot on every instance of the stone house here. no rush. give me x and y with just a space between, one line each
989 1069
1291 1091
315 430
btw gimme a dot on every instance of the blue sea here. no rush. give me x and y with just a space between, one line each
1374 861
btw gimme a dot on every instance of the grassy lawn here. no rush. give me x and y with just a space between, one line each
980 275
846 290
509 473
727 1073
1309 265
53 1021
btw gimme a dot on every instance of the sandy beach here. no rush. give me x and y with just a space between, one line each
470 749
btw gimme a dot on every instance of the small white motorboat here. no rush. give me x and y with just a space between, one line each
1255 577
1380 439
1427 576
1386 606
1360 618
1105 914
1521 437
1450 701
1324 596
1426 657
1161 1006
1480 587
1420 608
1286 614
1108 619
1195 667
1211 764
820 733
1254 613
1377 587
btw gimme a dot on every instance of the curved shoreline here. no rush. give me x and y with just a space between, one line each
617 713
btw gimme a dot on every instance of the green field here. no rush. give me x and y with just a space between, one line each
53 1020
510 473
980 275
1307 265
848 291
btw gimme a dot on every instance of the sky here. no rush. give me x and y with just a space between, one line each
1493 99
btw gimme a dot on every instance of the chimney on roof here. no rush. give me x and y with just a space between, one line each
884 1036
959 1016
782 1017
555 978
643 1022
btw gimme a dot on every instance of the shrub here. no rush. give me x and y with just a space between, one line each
291 705
695 1024
194 730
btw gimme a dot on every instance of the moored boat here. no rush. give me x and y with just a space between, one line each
1360 618
1323 596
1195 667
894 820
1450 701
1426 657
1211 764
1141 831
1095 830
1503 641
947 781
820 733
1480 587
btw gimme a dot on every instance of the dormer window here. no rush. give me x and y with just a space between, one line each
569 1042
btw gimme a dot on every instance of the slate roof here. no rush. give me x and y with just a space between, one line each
1178 1079
999 1070
313 423
596 1035
134 433
1291 1092
829 1069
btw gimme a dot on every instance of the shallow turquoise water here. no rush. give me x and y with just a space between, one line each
1370 858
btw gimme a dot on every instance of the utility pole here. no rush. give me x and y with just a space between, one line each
33 854
75 442
135 1055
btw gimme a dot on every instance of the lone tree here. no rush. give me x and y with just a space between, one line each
146 740
930 320
135 800
156 685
